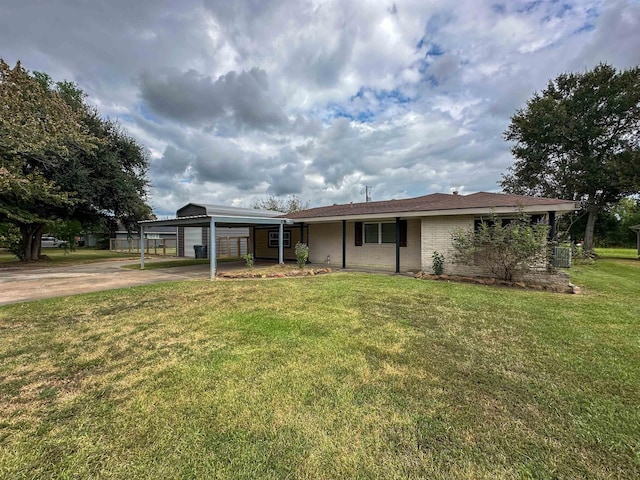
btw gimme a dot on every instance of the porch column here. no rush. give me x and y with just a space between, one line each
281 243
301 232
397 244
344 244
141 247
212 249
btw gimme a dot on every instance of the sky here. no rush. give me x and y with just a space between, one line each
239 100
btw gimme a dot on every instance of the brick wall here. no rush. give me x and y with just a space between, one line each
325 239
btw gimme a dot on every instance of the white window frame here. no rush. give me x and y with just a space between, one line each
274 236
379 229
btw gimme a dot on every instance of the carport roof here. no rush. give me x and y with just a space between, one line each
220 220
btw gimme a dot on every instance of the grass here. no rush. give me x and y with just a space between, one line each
185 262
617 252
338 376
58 256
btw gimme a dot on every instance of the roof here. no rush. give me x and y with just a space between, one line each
438 203
202 214
635 228
221 210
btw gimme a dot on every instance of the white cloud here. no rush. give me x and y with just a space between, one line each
237 100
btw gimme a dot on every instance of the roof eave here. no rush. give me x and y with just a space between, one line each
559 208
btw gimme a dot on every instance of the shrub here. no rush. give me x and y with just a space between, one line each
503 250
302 254
248 259
438 263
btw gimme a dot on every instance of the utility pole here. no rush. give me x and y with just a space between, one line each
367 194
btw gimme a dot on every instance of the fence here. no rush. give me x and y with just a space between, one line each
156 246
226 247
231 246
562 257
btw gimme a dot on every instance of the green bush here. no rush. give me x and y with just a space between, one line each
438 263
302 254
248 259
502 249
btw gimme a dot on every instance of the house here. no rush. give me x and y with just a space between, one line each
391 235
401 235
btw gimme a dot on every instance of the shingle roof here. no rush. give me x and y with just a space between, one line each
433 202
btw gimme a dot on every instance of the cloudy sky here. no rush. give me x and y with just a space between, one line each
238 100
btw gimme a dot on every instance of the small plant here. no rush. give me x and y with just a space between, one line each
438 263
248 259
302 254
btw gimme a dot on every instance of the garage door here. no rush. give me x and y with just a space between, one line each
192 236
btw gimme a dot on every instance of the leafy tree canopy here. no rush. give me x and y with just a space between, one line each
60 161
578 139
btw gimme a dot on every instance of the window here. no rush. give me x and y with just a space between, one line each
379 233
273 239
533 219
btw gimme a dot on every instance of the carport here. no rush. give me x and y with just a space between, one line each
220 217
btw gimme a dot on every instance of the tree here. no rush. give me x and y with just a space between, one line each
613 224
285 205
60 161
579 140
504 249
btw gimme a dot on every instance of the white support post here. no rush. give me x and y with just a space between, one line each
141 247
281 244
212 248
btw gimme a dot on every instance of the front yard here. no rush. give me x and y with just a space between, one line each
338 376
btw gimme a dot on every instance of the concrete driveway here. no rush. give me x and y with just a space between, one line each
35 283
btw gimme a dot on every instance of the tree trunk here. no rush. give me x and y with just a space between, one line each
36 243
31 242
592 213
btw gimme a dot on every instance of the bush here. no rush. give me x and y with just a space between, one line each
302 254
438 263
248 259
503 250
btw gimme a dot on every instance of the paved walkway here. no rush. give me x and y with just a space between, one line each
34 283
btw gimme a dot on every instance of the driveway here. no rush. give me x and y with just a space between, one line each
26 284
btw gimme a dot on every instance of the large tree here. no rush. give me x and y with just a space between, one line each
59 160
579 139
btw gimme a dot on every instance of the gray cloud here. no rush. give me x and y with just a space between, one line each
242 98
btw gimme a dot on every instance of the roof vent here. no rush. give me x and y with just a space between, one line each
455 192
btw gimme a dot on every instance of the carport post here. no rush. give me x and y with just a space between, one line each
212 248
141 247
280 244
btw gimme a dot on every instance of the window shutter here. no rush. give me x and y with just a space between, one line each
358 233
403 233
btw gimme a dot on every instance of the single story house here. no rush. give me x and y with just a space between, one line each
392 235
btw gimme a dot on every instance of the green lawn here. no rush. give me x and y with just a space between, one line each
617 252
335 376
58 256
